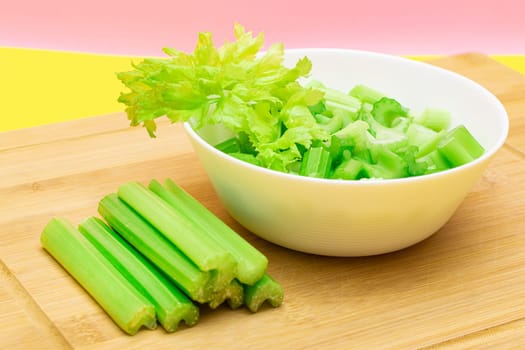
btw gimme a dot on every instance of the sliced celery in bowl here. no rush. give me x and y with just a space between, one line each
365 217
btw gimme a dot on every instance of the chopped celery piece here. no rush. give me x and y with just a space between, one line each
171 305
189 237
391 138
316 163
386 165
349 169
424 138
355 135
318 108
435 162
251 263
459 147
334 123
414 166
128 308
230 145
435 118
155 247
266 289
386 110
335 99
366 94
233 294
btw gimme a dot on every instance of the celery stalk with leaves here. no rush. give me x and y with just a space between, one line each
282 124
232 86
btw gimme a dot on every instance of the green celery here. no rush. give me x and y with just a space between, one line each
233 294
128 308
366 94
230 145
349 169
251 264
318 108
435 162
333 124
414 166
392 138
189 237
435 118
424 138
459 147
248 158
245 145
386 165
386 110
355 135
171 305
155 247
335 99
316 163
266 289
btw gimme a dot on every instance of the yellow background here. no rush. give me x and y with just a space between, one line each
41 87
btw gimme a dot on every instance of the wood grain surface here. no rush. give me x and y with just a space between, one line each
464 287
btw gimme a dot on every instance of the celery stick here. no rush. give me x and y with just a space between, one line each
194 242
251 263
233 294
155 247
424 138
334 123
386 110
454 152
354 134
128 308
349 169
335 99
171 305
435 162
387 165
266 289
459 147
435 118
316 163
366 94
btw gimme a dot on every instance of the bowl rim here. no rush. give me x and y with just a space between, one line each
489 153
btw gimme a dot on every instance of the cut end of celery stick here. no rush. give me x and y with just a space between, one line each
251 263
169 302
233 294
129 309
176 227
266 289
154 246
183 312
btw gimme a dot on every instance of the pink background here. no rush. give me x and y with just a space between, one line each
142 28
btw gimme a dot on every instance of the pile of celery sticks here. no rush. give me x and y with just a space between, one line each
158 256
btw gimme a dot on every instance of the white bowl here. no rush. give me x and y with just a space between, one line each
358 218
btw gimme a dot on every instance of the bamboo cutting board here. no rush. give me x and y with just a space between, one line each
462 287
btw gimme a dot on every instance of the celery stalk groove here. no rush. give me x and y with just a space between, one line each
251 263
182 232
154 246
